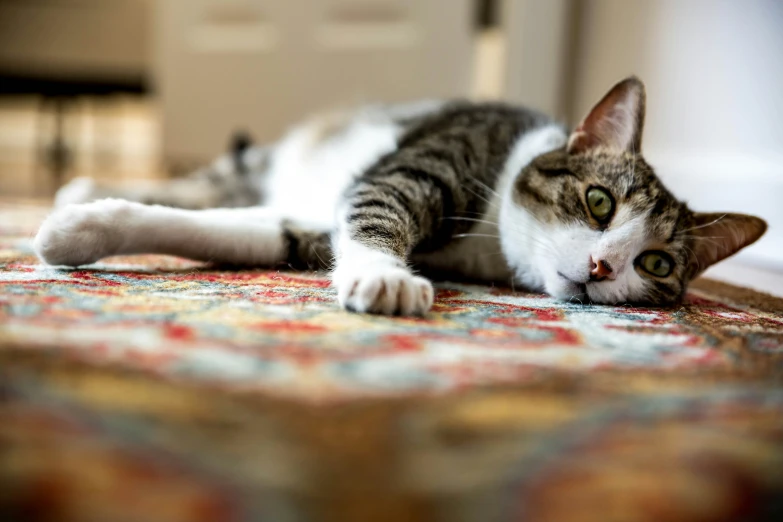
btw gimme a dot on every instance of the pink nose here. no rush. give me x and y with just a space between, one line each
600 270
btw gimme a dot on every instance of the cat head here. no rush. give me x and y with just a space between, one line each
592 220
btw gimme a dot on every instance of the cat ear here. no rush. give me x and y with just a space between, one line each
718 236
616 122
240 142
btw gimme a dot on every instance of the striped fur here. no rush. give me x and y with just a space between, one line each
445 167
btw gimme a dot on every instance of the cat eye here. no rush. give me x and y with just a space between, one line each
658 264
600 203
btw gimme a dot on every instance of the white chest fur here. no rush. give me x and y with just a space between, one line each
308 176
478 254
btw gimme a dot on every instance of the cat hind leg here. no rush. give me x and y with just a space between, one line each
256 236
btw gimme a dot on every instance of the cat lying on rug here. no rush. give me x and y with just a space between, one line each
486 191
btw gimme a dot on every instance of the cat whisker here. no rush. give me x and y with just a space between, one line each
711 239
315 251
703 226
481 197
484 185
537 242
694 257
534 237
474 213
476 235
474 220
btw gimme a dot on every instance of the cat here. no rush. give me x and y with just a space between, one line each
385 195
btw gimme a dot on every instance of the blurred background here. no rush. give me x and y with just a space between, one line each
128 89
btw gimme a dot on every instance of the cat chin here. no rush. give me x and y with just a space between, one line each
594 293
627 288
566 290
599 297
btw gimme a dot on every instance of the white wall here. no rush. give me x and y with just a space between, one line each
714 71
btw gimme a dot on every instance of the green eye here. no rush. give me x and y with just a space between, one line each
657 263
600 203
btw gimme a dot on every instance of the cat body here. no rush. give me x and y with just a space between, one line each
486 191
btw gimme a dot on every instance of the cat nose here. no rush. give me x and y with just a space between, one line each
600 270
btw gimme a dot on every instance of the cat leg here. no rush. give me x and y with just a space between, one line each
392 209
369 280
258 236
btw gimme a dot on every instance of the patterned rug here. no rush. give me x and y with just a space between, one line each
155 388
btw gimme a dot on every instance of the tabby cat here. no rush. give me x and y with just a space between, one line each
384 195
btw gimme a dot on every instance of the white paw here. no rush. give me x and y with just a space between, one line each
82 234
382 289
78 190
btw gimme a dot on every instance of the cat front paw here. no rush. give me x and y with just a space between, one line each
82 234
383 289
